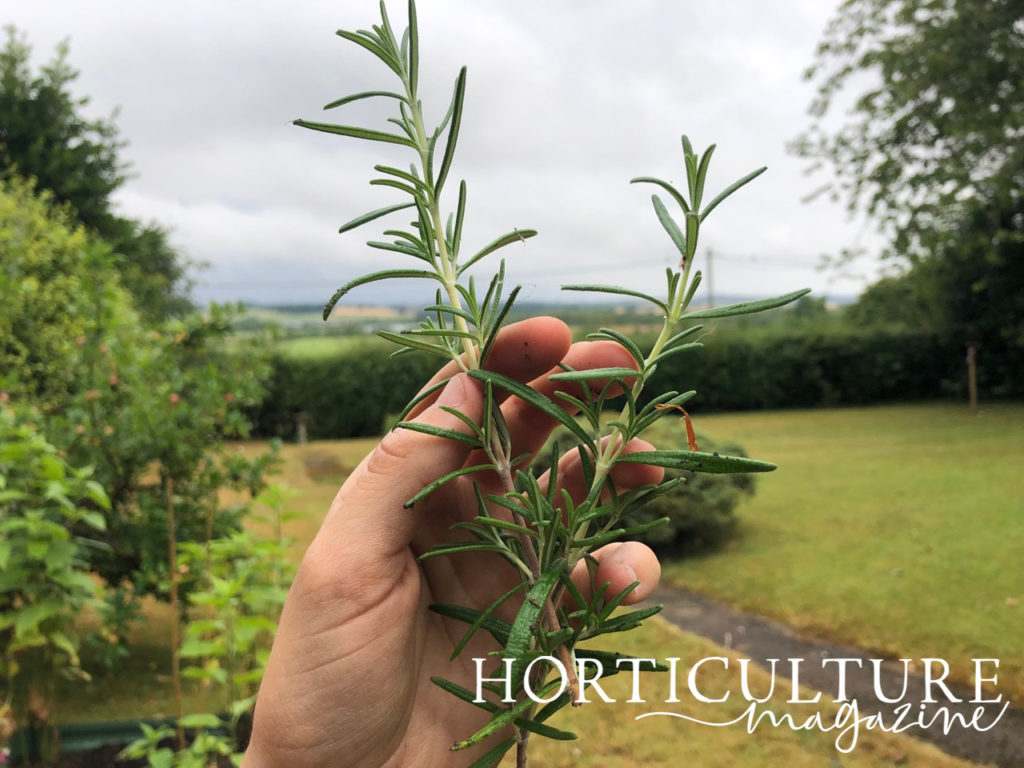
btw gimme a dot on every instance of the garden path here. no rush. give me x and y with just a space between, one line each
761 639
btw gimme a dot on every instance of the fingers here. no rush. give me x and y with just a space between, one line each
619 565
529 351
528 426
523 351
369 511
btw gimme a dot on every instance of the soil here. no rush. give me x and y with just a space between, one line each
761 639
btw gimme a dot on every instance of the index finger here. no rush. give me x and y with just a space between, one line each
522 351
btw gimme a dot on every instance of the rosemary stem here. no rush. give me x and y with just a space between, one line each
496 452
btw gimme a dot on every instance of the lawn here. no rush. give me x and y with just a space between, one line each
898 529
893 528
610 737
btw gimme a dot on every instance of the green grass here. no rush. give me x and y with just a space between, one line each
893 528
897 529
610 737
319 347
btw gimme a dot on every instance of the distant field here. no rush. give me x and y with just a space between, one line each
899 529
315 347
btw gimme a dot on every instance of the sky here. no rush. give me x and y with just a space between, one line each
565 103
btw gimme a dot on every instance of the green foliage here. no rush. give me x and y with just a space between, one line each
932 154
542 534
48 265
698 513
755 370
151 270
942 126
238 585
45 137
971 291
157 405
140 403
48 512
202 751
340 395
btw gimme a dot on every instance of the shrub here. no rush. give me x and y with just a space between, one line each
352 393
701 511
348 395
48 515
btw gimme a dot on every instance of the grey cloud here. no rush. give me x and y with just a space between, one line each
566 102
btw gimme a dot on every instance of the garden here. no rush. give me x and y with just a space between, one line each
943 603
167 471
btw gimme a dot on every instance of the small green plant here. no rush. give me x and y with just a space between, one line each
236 586
240 585
48 510
542 533
203 750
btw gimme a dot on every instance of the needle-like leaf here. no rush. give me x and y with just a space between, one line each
748 307
614 289
729 190
536 399
696 461
519 235
372 278
356 132
670 225
453 131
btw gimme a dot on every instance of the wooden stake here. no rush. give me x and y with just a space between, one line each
972 376
172 561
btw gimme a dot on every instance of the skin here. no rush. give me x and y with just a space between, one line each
348 680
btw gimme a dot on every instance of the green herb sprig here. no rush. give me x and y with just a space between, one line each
541 532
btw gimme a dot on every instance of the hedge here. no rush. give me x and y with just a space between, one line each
348 395
768 372
352 394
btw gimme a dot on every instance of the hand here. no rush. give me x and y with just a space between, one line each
348 680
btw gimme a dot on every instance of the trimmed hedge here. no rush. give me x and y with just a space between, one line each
349 395
352 394
734 373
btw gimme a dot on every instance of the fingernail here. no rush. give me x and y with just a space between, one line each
454 392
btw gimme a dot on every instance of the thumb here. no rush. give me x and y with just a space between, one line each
370 507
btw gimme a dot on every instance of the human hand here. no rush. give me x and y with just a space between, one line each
348 680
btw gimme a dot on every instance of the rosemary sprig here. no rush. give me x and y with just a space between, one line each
543 534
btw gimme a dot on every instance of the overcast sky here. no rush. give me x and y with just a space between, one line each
565 103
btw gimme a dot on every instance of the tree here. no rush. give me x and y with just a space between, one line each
933 153
943 125
45 136
48 265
